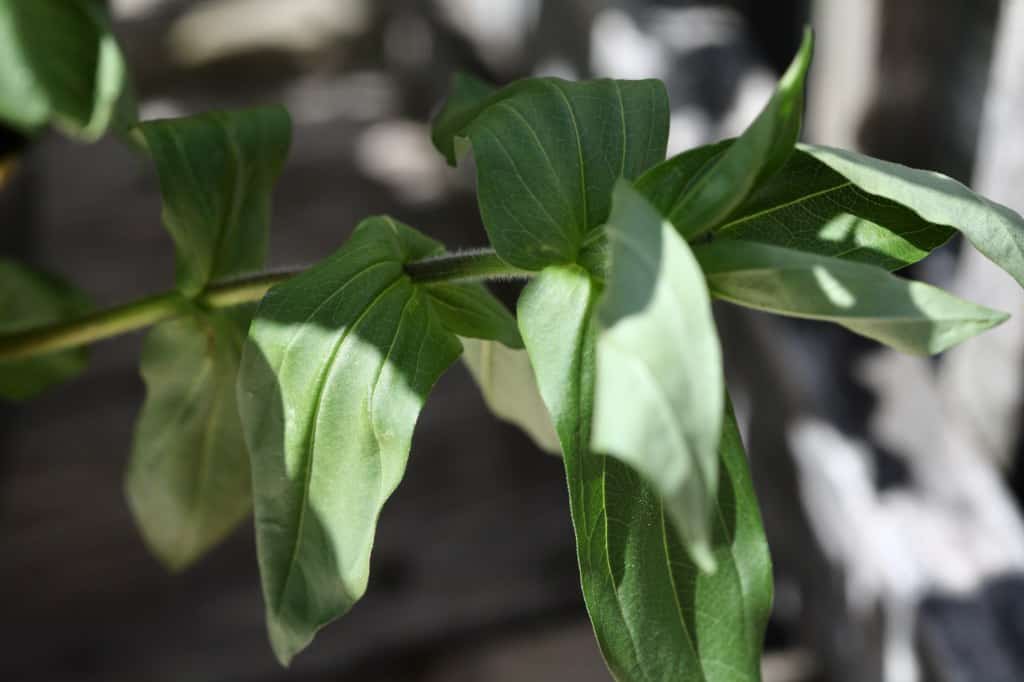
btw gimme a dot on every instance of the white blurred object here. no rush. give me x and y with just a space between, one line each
359 96
134 9
688 29
842 81
408 41
619 49
222 28
752 94
160 108
498 29
983 380
399 154
690 127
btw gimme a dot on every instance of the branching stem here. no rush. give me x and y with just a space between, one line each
104 324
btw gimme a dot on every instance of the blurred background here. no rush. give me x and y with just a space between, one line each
889 485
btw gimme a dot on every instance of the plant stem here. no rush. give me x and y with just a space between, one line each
475 264
104 324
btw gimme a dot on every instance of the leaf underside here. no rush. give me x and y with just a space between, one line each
910 316
188 480
659 383
656 615
337 367
506 381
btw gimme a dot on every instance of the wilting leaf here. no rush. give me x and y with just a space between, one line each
216 172
509 388
338 363
909 316
188 481
31 299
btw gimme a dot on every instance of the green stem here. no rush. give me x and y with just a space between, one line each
473 265
476 264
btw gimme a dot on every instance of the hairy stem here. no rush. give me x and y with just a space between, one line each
104 324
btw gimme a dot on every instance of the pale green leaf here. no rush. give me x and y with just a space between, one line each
993 229
698 190
548 152
809 207
909 316
31 299
338 364
509 388
660 387
656 615
216 173
188 482
60 62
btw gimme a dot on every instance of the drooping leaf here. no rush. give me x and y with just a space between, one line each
60 62
809 207
993 229
216 174
726 174
337 366
656 615
909 316
548 152
660 386
509 388
470 310
188 482
31 299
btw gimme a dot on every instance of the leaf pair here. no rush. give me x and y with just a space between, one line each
188 482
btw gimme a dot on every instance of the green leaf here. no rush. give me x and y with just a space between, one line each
465 101
726 174
548 152
660 386
909 316
60 62
216 173
31 299
470 310
809 207
338 364
992 228
656 615
506 380
188 482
